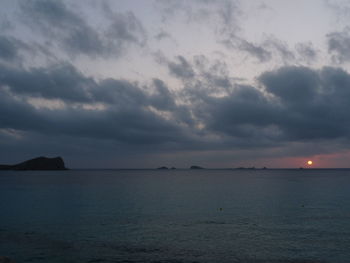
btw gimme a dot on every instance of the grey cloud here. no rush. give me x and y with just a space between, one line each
169 7
228 12
269 48
8 48
72 32
163 99
162 35
51 12
55 20
341 9
306 51
339 45
15 50
191 11
160 58
204 11
120 93
181 68
261 53
126 28
213 72
280 48
6 24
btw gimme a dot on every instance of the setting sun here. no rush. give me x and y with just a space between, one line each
309 162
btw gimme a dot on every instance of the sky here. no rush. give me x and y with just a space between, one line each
149 83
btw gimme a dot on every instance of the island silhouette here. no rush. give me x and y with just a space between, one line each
195 167
39 163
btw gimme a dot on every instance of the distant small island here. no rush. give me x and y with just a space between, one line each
39 163
248 168
166 168
194 167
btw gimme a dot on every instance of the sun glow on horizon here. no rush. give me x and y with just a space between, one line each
309 162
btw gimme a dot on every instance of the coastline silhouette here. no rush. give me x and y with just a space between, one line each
39 163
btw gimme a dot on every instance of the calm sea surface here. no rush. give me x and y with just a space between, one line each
254 216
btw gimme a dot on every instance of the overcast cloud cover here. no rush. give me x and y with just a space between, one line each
217 83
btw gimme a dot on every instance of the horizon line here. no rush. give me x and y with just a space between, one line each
217 168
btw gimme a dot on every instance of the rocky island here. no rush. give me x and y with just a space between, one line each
39 163
195 167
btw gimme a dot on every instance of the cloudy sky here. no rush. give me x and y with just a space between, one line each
147 83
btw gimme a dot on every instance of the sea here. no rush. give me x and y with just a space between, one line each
176 216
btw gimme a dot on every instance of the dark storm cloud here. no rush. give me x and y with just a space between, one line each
125 115
302 105
16 114
121 93
212 111
243 114
55 82
135 124
296 104
57 21
313 101
66 83
293 85
339 45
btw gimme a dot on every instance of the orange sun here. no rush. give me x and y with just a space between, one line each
309 162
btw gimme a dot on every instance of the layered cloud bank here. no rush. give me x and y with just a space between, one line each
188 106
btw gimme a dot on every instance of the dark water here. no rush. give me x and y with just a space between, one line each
176 216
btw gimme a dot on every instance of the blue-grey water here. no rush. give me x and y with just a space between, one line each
254 216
